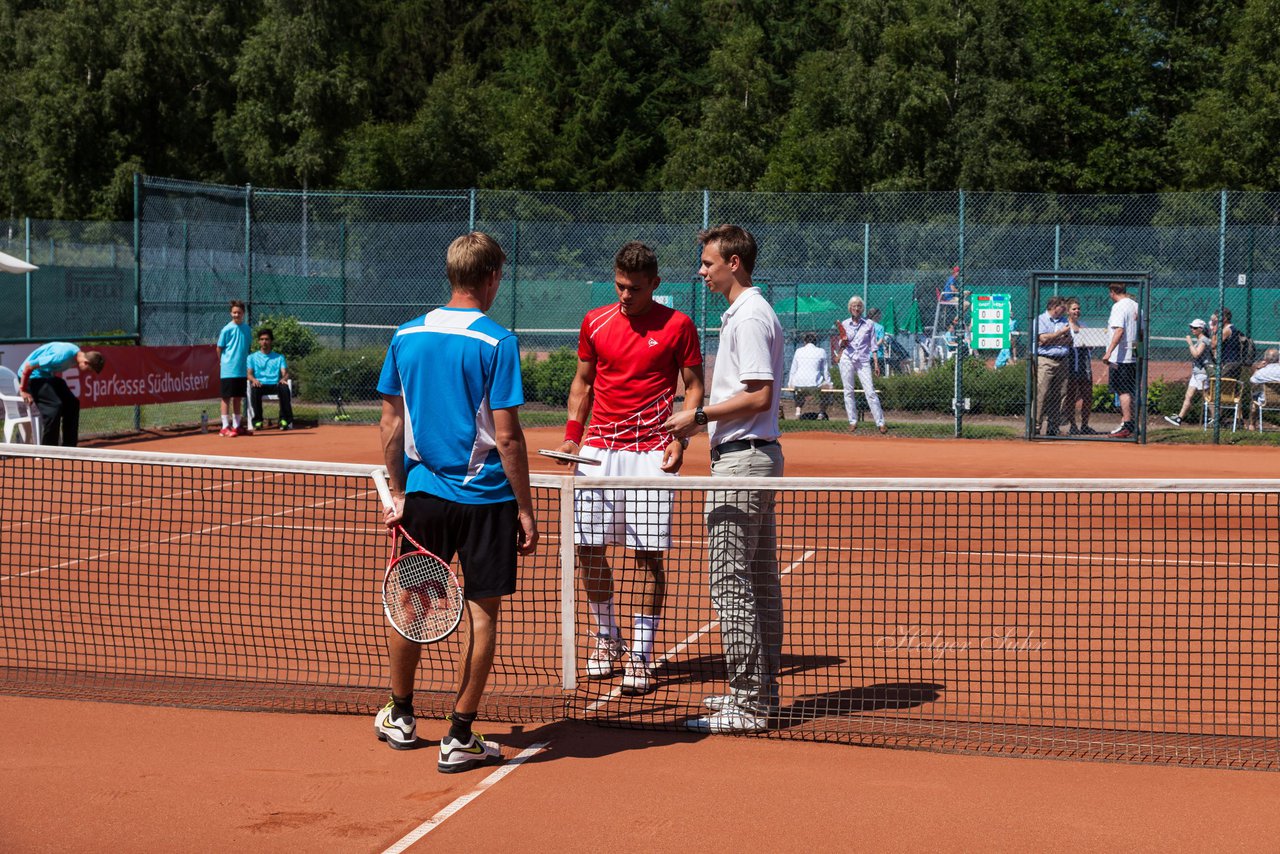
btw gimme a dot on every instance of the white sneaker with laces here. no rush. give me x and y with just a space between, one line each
637 679
458 756
606 658
1175 420
397 731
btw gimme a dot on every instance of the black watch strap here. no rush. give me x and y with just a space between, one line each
699 417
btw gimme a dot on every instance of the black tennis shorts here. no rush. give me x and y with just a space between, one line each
1123 378
483 536
233 387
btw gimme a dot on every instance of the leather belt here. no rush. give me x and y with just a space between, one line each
738 445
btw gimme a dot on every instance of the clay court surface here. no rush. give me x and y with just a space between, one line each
88 776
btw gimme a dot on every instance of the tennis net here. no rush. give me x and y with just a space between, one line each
1133 621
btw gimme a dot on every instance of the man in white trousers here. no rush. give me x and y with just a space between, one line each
857 342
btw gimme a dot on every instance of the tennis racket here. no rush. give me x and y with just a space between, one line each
420 594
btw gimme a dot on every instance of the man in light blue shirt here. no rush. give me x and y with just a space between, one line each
40 385
459 477
269 374
233 352
1053 345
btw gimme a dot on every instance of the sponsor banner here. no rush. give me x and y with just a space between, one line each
134 376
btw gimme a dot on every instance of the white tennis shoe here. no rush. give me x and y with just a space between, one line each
458 756
398 731
606 658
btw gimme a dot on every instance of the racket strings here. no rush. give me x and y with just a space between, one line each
421 598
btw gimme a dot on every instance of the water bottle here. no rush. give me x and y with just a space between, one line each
204 421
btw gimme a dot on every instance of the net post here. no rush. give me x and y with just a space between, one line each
568 634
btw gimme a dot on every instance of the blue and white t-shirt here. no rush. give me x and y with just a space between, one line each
266 367
49 359
233 341
453 367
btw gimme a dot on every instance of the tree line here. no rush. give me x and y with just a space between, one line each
1073 96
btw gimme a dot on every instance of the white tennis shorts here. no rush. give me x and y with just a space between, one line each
1199 379
639 519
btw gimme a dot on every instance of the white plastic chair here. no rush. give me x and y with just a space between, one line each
1266 396
18 416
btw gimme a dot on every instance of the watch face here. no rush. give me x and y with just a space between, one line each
699 417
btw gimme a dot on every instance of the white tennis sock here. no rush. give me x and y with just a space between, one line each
235 422
646 626
606 623
226 422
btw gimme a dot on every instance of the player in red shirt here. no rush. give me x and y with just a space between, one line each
631 355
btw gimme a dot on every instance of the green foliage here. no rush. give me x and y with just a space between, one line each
353 374
990 391
1103 399
290 337
548 380
1058 95
1165 398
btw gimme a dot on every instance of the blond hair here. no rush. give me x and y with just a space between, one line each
472 259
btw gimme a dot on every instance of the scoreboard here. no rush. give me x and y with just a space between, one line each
989 322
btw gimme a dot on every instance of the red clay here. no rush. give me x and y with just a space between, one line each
83 777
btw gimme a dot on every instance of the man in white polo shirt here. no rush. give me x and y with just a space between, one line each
1121 357
746 588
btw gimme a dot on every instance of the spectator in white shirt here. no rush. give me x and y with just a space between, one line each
810 372
1269 372
1121 357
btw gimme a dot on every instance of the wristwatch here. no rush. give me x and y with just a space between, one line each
699 417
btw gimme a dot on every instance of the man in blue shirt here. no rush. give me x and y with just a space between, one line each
40 386
268 374
459 476
1053 344
233 351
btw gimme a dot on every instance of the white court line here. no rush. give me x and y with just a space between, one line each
481 787
150 543
84 511
684 644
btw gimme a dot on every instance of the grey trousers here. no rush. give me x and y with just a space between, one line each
746 588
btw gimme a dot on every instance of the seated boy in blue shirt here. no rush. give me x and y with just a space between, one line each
268 374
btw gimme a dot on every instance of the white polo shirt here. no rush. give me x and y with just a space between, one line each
751 340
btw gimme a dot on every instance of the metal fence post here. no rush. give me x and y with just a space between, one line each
137 275
515 272
342 269
28 275
248 246
706 223
962 330
866 259
471 215
1222 300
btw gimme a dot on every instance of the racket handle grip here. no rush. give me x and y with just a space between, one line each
384 491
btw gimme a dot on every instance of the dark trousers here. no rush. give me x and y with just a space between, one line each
257 392
59 411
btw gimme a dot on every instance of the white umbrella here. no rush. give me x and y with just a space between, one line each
9 264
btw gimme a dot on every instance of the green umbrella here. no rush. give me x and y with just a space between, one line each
911 323
890 320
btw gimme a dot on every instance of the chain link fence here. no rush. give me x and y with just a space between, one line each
335 273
